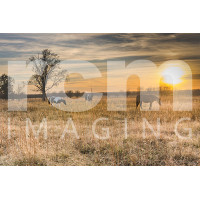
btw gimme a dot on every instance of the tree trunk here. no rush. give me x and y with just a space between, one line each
43 96
43 90
43 93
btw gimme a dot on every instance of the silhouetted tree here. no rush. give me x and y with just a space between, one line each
165 88
6 86
78 94
70 93
45 65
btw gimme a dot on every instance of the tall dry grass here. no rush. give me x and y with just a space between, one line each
88 150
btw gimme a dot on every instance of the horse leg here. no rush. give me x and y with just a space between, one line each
150 106
137 103
141 104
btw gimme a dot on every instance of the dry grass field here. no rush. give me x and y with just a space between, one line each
118 150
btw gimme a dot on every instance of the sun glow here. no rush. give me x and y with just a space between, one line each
172 75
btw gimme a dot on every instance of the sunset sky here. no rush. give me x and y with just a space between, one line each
100 48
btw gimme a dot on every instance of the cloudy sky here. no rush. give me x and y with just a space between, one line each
100 48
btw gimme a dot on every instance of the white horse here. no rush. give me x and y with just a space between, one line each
56 100
88 96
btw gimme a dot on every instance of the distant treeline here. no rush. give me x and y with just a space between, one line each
78 94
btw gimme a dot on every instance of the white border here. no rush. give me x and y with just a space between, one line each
103 16
99 183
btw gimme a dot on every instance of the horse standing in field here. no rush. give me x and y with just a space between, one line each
147 99
88 96
56 100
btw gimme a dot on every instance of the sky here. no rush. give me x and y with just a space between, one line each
102 48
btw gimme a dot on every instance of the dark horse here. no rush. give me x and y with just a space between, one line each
147 99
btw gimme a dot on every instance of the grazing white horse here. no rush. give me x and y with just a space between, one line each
88 96
147 99
56 100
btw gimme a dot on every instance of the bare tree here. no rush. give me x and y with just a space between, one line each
45 65
6 85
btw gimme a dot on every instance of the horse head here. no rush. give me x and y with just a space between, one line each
64 101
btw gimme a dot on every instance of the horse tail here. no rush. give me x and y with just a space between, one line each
159 101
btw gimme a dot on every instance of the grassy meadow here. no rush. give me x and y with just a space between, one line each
118 150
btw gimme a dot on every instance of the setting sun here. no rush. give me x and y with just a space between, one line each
172 75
